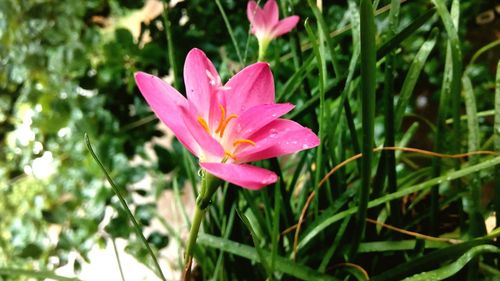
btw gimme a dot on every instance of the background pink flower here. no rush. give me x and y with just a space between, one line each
265 21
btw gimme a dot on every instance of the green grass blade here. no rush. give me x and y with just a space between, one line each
449 270
124 204
325 35
477 226
496 136
456 55
256 242
230 30
402 245
429 261
117 255
170 45
282 264
406 32
320 59
368 84
309 236
295 81
412 77
34 274
484 50
338 236
276 226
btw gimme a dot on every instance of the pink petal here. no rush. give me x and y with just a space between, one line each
251 86
165 102
255 16
271 13
246 176
285 25
278 138
201 81
211 148
257 117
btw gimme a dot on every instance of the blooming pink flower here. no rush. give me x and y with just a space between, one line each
265 22
227 125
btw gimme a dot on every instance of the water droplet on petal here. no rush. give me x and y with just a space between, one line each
305 146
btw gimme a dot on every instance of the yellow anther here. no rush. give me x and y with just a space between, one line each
221 119
241 141
229 154
232 116
204 124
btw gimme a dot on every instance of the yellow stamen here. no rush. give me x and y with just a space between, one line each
241 141
222 118
204 124
229 154
232 116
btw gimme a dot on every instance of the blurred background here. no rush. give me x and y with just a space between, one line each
66 68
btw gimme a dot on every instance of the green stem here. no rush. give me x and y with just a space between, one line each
124 204
368 83
193 234
209 185
170 46
263 45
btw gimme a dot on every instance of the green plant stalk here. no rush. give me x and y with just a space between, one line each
321 120
124 204
368 72
451 269
230 30
387 162
209 185
390 156
325 36
450 91
496 136
477 226
170 45
117 255
456 55
193 234
263 45
483 50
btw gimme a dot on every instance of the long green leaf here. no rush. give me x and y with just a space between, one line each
256 242
496 136
124 204
429 261
229 30
477 226
449 270
412 77
368 84
282 264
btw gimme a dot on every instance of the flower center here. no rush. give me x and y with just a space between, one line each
223 122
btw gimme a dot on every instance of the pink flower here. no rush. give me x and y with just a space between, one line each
227 125
265 22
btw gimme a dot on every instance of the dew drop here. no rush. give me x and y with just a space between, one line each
273 132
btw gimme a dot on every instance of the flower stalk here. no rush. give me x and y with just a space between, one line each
209 185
